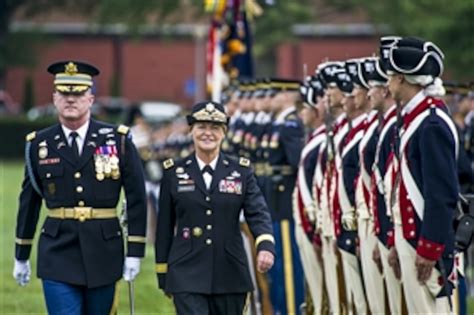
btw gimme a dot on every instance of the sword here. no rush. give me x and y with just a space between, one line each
131 287
131 296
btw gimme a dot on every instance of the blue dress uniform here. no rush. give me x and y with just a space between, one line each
426 191
81 240
199 247
283 154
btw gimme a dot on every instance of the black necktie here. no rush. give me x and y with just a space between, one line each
208 169
74 147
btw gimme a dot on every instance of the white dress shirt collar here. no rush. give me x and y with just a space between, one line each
201 164
81 131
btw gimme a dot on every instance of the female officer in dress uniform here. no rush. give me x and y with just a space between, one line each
200 257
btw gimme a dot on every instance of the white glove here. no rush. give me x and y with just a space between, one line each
22 272
311 212
349 222
131 268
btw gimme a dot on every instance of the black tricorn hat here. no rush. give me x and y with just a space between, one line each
373 71
306 92
327 70
207 111
386 43
344 81
355 71
414 56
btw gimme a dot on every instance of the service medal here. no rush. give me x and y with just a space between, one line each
115 174
100 176
43 152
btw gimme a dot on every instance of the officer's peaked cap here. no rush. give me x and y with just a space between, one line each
72 76
207 111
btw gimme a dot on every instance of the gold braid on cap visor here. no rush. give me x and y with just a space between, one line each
212 115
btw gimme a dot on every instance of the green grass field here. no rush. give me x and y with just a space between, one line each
29 300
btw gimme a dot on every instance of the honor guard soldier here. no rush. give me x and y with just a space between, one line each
425 187
345 223
326 183
372 275
381 179
200 256
313 115
283 155
78 168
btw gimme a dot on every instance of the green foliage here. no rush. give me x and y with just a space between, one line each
28 94
274 27
449 24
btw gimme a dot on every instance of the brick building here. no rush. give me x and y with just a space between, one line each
169 64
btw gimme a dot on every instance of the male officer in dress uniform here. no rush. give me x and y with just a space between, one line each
426 189
313 115
199 252
79 167
283 155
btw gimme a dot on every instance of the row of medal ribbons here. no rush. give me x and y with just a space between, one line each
106 162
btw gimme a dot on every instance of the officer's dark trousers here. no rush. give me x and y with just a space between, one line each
62 298
205 304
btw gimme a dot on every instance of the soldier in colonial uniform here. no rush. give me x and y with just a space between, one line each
313 117
200 256
347 163
381 183
325 185
425 188
283 154
372 275
79 167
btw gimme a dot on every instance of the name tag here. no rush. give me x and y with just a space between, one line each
49 161
230 186
186 188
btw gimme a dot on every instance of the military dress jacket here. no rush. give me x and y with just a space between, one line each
428 187
380 192
199 246
304 208
86 252
283 155
367 148
347 175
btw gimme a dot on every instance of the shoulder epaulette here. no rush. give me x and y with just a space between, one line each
167 164
31 136
123 129
244 162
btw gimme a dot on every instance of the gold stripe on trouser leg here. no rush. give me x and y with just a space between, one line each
115 303
262 282
288 267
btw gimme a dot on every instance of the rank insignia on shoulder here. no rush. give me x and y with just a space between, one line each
169 163
244 162
31 136
123 129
